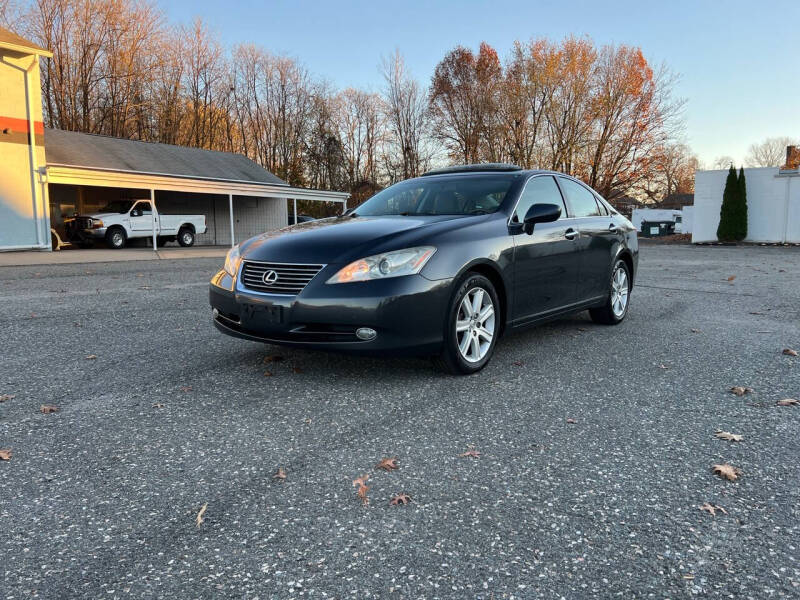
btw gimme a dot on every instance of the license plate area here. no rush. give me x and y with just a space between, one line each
263 313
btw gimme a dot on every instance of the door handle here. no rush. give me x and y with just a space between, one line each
571 234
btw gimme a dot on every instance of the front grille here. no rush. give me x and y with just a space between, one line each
291 280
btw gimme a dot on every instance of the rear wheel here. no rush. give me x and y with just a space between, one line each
471 327
186 237
616 304
115 238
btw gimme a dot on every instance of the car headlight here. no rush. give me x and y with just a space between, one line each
382 266
232 261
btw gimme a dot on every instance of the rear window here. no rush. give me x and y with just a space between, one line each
472 195
580 200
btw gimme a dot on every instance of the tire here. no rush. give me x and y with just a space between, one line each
116 238
186 237
479 346
615 308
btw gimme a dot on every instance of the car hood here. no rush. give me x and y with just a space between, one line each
339 239
106 215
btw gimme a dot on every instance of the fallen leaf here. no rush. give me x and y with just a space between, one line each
158 405
138 274
740 390
387 464
273 358
200 519
694 330
400 499
572 421
297 370
789 352
517 363
712 509
280 474
727 471
5 454
662 366
726 435
6 397
732 277
186 388
267 373
360 481
362 494
787 402
91 357
48 408
471 453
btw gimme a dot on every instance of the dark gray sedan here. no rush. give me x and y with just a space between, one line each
440 265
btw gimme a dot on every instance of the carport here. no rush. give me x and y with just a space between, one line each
238 197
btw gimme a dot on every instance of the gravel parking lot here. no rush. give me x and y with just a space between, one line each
100 499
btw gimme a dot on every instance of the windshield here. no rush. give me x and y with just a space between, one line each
475 195
117 206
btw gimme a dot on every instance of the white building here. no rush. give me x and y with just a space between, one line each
773 205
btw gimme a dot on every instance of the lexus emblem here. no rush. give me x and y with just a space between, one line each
269 277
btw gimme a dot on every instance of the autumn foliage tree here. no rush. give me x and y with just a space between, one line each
601 113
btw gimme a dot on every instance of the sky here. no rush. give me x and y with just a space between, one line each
739 62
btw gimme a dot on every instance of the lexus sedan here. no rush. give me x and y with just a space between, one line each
439 265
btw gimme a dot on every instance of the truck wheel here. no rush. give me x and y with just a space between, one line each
186 237
116 238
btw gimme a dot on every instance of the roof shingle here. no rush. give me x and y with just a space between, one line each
9 38
75 149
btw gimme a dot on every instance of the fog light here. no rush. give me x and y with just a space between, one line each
366 334
214 313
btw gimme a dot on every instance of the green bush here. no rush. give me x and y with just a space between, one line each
733 214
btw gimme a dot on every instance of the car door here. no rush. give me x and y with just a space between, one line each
142 216
545 262
597 235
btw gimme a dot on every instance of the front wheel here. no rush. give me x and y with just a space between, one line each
186 237
615 307
471 327
116 238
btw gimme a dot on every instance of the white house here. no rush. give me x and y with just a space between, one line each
773 205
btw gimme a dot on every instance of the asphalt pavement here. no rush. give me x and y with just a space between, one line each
593 447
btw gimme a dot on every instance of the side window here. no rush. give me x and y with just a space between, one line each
580 200
601 207
538 190
142 209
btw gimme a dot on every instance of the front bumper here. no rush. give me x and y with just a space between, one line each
406 312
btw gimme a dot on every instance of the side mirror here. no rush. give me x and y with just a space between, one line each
136 212
540 213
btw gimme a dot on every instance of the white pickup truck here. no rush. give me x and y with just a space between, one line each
122 220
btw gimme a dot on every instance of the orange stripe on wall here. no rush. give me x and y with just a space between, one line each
20 125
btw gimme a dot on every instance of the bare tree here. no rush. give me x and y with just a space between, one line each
722 162
769 153
405 109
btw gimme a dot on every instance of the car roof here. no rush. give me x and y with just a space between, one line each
487 169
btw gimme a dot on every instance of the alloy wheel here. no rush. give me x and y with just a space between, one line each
619 291
475 325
